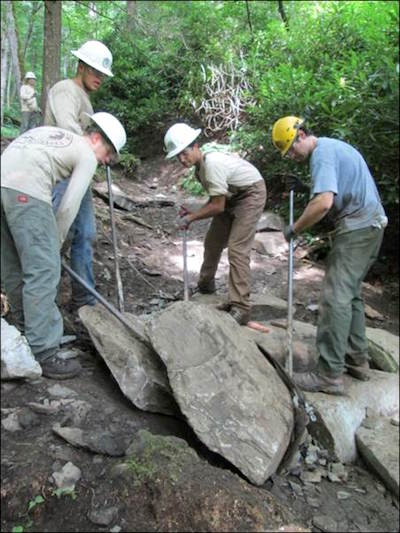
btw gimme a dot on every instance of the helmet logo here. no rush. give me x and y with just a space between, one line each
106 62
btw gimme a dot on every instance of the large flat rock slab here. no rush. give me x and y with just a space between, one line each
339 417
229 393
137 369
383 348
378 443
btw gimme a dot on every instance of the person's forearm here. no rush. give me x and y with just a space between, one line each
315 211
208 210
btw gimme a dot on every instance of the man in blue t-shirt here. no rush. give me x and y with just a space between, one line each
341 183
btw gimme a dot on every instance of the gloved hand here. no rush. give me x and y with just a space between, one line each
292 183
288 232
183 211
183 222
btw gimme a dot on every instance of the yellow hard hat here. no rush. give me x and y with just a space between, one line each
284 132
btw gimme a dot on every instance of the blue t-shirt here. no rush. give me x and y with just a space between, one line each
339 168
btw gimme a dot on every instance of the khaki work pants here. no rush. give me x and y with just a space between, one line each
341 320
30 269
234 228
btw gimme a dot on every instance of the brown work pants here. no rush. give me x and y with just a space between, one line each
234 228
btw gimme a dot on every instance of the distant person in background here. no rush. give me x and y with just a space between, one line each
29 108
67 102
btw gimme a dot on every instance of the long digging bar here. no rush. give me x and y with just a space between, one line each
185 269
120 293
289 359
113 310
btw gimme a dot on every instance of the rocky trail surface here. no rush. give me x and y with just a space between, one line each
79 456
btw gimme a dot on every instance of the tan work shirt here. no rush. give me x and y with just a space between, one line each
27 95
35 161
66 103
218 171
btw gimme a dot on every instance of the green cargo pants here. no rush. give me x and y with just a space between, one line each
30 269
234 228
341 321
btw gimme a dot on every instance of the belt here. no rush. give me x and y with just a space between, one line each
233 189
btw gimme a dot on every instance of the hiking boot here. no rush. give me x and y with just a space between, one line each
314 382
207 288
56 368
240 315
225 306
359 363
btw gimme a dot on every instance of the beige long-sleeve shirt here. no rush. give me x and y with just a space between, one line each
35 161
27 95
66 103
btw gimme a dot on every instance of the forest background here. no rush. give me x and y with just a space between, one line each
230 67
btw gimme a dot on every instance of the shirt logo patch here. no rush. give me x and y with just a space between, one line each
22 199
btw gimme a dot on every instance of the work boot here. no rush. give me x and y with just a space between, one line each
240 315
207 288
56 368
224 306
314 382
357 362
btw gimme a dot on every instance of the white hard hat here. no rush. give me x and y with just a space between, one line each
178 137
96 55
112 128
30 76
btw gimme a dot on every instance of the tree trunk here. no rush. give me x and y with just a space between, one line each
9 78
19 47
283 14
131 14
51 47
5 49
12 37
35 8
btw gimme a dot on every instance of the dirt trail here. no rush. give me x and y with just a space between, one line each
151 269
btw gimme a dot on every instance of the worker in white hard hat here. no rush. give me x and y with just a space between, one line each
30 111
32 235
237 196
67 102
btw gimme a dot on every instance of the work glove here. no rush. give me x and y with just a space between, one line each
183 222
288 232
183 211
293 183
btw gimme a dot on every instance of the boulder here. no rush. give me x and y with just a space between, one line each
229 393
266 306
137 369
339 417
383 348
378 444
270 243
17 359
275 343
270 221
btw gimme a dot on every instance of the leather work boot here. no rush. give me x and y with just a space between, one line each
240 315
224 306
359 363
313 382
56 368
207 288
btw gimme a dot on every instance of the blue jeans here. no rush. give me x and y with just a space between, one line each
82 234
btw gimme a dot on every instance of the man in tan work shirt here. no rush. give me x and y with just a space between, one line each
237 198
31 235
67 102
30 111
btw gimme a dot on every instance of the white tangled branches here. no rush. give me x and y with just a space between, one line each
227 92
